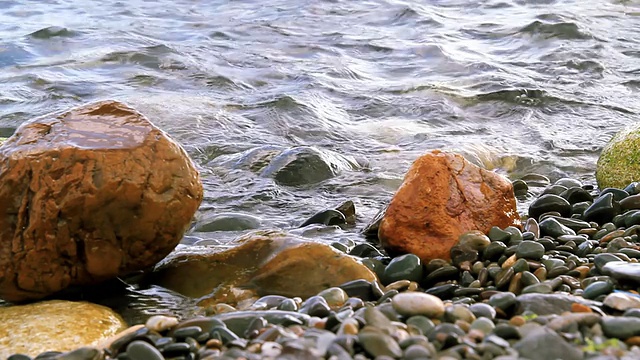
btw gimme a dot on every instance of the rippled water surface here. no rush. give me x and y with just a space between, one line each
520 86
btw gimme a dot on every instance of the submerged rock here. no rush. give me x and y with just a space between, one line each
306 165
55 326
264 263
87 195
442 197
227 222
618 164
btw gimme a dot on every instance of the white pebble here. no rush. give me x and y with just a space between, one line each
271 349
621 301
412 303
160 323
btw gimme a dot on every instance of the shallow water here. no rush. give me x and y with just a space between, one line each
519 86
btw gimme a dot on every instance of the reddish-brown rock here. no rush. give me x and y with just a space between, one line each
87 195
442 197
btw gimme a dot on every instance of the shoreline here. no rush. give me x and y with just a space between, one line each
523 289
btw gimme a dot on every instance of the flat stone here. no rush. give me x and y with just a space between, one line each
270 263
57 325
622 270
622 301
545 344
546 304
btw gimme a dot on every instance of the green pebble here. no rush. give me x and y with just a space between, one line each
404 267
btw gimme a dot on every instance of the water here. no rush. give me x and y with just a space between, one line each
520 86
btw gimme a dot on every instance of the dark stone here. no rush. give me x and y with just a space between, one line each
573 224
596 289
621 327
551 227
618 194
358 288
494 251
142 350
520 188
506 331
603 209
404 267
305 165
326 217
365 250
633 188
530 249
575 195
444 273
315 306
444 292
547 203
600 260
503 301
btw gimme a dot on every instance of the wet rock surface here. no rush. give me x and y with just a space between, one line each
562 286
55 326
71 184
262 263
442 197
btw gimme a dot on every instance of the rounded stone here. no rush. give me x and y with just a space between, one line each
474 240
72 184
142 350
227 222
483 324
417 303
530 250
547 203
503 301
377 344
596 289
334 296
423 323
619 164
483 310
404 267
620 327
160 323
459 312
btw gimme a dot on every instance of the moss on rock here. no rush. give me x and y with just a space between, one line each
619 162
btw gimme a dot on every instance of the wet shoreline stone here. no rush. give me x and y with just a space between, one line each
535 293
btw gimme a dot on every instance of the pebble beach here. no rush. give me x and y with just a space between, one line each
563 288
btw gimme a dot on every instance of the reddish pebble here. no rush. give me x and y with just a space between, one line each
580 308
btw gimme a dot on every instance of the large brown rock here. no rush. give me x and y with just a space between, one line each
264 263
442 197
87 195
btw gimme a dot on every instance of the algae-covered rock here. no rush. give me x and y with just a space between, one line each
619 162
